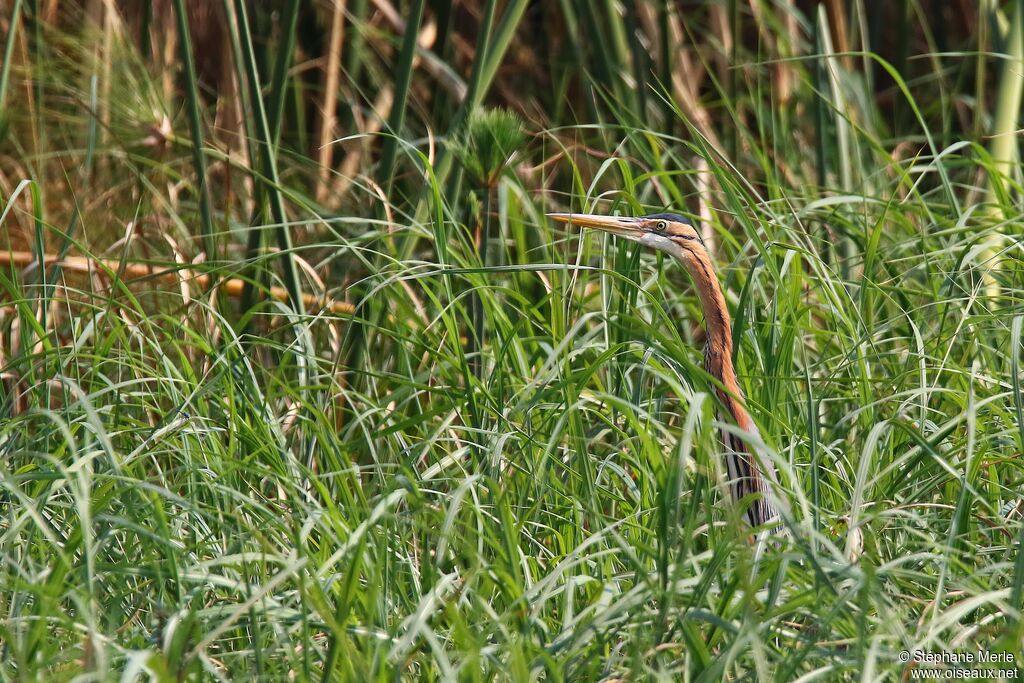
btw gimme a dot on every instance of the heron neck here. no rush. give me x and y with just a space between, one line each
718 328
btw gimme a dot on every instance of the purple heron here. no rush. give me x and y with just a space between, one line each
676 236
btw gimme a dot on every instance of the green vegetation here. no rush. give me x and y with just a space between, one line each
503 463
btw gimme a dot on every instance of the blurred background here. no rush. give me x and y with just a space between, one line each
346 100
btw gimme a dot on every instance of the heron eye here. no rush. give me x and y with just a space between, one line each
662 225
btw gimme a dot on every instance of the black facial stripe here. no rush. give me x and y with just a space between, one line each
670 235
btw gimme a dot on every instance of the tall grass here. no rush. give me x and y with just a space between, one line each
504 464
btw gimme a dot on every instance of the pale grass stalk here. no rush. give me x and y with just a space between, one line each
328 107
139 271
1005 143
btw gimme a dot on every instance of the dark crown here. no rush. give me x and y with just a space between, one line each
674 217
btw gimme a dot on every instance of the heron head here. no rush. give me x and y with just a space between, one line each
668 232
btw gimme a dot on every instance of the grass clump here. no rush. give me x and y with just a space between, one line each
492 139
